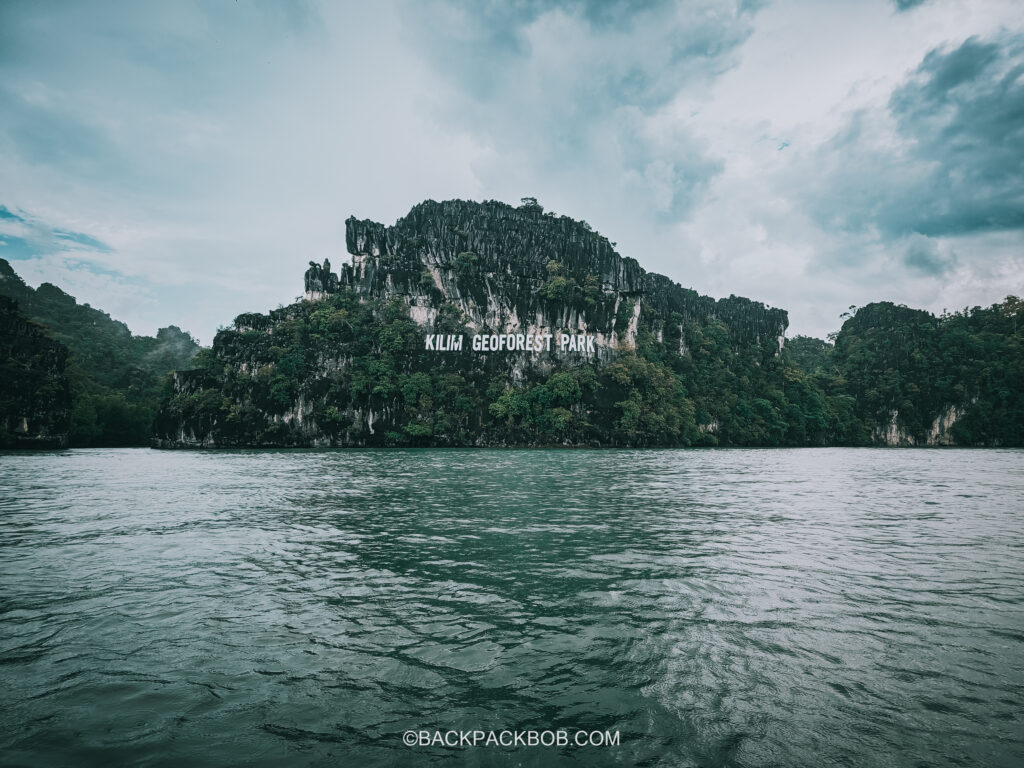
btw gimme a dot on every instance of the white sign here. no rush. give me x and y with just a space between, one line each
514 342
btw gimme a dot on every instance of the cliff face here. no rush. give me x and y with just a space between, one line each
355 363
520 270
35 397
894 434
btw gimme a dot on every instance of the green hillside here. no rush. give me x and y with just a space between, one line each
117 379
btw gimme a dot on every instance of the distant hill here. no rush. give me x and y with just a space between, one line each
117 379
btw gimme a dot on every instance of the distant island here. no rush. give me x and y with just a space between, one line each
368 357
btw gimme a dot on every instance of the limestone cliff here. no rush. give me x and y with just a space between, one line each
518 269
894 434
353 364
915 379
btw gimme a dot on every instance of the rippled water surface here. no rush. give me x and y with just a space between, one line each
772 607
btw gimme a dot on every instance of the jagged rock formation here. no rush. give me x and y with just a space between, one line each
520 270
35 397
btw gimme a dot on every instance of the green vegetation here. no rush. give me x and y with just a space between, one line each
349 372
894 360
35 399
673 368
117 380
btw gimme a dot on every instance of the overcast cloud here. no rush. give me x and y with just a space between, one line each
182 162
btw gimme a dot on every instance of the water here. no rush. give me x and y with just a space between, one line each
729 607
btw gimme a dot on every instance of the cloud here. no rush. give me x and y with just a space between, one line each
570 88
215 147
845 214
945 158
926 256
26 236
182 163
906 5
962 114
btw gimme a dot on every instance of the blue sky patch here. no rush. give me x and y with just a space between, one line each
79 238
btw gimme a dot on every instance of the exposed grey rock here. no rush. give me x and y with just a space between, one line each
512 269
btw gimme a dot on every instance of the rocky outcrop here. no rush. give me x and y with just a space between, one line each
521 270
895 435
35 397
941 432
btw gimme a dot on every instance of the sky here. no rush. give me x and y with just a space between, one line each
182 162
